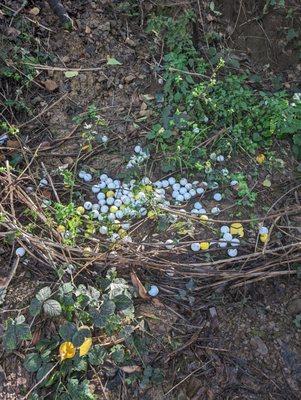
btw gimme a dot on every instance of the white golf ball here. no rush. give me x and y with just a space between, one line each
227 236
169 244
103 230
225 229
104 209
233 183
119 214
95 206
217 196
101 196
183 190
87 177
195 247
110 201
183 181
138 149
235 242
180 198
165 183
222 243
200 191
220 158
88 205
232 252
192 192
215 210
20 251
176 186
103 177
187 196
81 174
153 291
198 205
263 230
95 213
95 188
171 180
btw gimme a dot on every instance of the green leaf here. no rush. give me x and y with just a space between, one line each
44 294
52 308
113 61
71 74
67 331
267 183
35 307
107 308
79 337
97 355
32 362
122 302
118 354
43 370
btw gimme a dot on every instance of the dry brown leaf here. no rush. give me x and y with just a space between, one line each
13 144
50 85
34 11
129 369
138 285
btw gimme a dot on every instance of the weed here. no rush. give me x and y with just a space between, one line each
90 319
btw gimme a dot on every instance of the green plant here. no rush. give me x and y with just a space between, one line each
61 362
199 104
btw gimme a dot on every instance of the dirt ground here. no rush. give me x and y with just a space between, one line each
237 344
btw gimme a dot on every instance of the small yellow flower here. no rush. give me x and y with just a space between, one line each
204 245
237 229
148 188
260 158
67 350
80 210
264 237
151 214
85 347
204 218
110 193
61 229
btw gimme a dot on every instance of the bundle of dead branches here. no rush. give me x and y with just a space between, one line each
279 256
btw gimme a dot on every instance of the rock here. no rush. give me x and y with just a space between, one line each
258 344
294 307
50 85
129 78
130 42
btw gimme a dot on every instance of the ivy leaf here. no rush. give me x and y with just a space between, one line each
32 362
117 354
16 331
97 355
122 302
80 336
52 308
35 307
71 74
67 331
267 183
113 61
44 294
43 370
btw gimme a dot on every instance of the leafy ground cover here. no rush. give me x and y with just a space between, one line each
150 182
